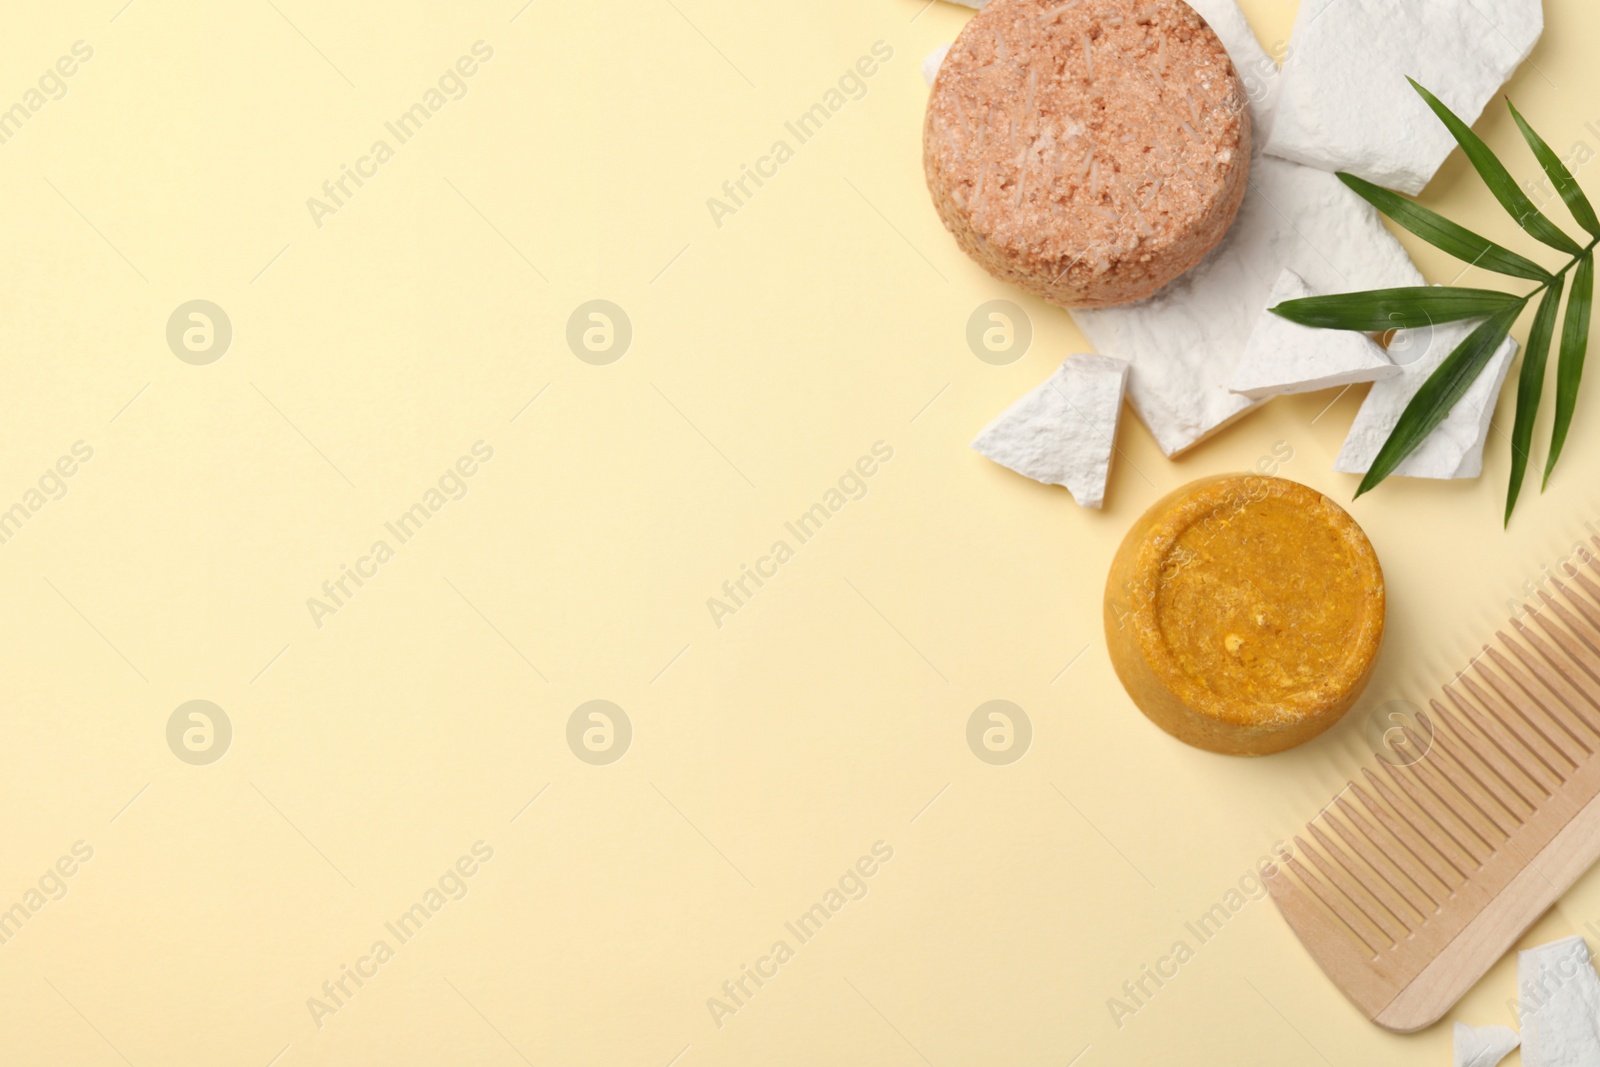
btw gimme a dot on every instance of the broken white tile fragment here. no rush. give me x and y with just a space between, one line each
1558 997
1455 447
1064 430
1483 1046
932 62
1346 104
1285 357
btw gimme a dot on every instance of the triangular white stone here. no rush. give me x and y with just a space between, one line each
932 62
1064 430
1285 357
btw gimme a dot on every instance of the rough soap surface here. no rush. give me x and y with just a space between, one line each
1244 613
1063 431
1087 151
1346 104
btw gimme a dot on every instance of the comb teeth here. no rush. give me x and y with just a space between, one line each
1502 775
1589 584
1417 904
1504 741
1413 873
1555 695
1420 874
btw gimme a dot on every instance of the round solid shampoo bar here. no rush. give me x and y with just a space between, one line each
1243 613
1087 151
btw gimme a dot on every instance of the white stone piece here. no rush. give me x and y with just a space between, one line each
1455 448
1346 104
1558 994
1285 357
1064 430
1483 1046
932 62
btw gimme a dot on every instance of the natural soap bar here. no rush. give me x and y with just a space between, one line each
1088 153
1243 613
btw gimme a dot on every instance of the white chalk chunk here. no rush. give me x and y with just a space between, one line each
1184 342
932 62
1455 448
1285 357
1483 1046
1346 104
1063 431
1558 997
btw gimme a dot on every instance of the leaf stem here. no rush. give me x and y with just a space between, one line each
1558 275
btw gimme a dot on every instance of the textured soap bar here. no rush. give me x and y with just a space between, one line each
1243 613
1087 152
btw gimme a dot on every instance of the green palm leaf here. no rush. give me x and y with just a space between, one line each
1559 175
1442 391
1444 234
1530 387
1574 346
1394 309
1499 180
1419 306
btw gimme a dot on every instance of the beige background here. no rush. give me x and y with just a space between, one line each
768 754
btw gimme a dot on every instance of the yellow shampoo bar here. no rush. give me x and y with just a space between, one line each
1243 613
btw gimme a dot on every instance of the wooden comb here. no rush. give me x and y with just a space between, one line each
1417 878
